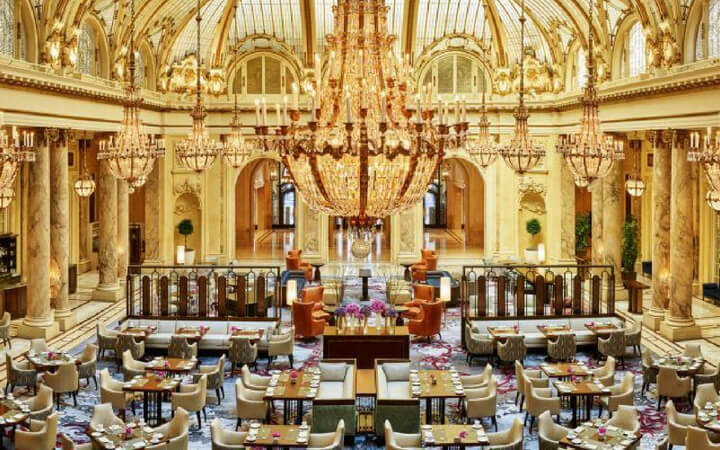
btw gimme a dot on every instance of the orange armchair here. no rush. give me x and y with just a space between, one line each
305 324
428 261
314 295
430 321
422 293
293 262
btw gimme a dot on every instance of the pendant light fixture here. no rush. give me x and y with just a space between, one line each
483 149
85 185
635 186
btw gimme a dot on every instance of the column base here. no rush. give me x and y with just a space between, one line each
652 319
65 319
680 332
107 294
83 266
32 328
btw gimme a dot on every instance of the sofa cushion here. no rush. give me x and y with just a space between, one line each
332 371
398 389
331 390
166 326
158 340
396 372
217 327
215 341
535 340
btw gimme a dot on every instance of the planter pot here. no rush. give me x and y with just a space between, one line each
189 257
629 276
531 255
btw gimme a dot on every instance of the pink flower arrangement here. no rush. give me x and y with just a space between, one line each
293 375
516 327
573 379
276 435
128 431
353 309
590 324
203 328
233 329
463 435
602 431
51 355
167 364
377 306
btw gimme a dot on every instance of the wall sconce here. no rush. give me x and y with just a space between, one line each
180 258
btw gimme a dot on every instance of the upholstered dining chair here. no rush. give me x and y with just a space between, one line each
181 348
477 345
41 405
401 441
306 326
698 439
670 385
242 351
482 402
621 394
606 372
549 433
662 444
649 371
215 374
88 364
131 367
282 344
613 345
314 294
104 417
562 347
111 392
429 323
126 342
5 329
692 350
192 398
328 441
253 381
64 381
223 439
633 336
293 262
428 261
708 374
705 393
539 400
176 430
19 373
511 348
66 443
477 381
677 424
250 404
510 439
39 345
107 339
532 376
41 435
625 418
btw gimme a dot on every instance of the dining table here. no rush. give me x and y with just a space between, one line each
600 436
192 334
293 388
153 388
436 386
171 365
13 412
51 360
277 436
448 436
132 436
684 366
581 391
565 369
707 417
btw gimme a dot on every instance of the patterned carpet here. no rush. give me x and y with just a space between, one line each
438 354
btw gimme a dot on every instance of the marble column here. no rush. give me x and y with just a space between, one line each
596 196
567 213
107 288
661 141
311 233
123 224
152 216
613 216
679 323
60 227
39 321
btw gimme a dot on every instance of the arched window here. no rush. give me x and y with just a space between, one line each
580 69
86 50
7 27
637 52
264 75
714 29
699 43
453 74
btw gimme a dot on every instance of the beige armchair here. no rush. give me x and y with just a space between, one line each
625 418
88 364
677 424
705 393
126 342
562 347
605 373
41 435
104 417
5 329
549 433
400 441
252 381
533 376
176 430
539 400
250 404
649 371
282 345
669 385
242 351
63 381
192 398
111 391
692 350
131 367
698 439
662 444
68 444
708 374
223 439
622 394
613 345
39 345
477 381
41 405
633 336
328 441
19 374
107 339
181 348
215 377
511 438
512 348
482 402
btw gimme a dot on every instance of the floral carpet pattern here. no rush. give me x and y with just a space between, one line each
437 354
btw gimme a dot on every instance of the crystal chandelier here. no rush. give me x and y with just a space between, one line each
131 153
362 155
483 149
198 151
15 149
522 154
85 185
706 151
7 195
235 148
590 154
635 186
713 199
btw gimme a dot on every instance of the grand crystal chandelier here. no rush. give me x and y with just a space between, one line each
482 148
706 151
15 149
131 153
362 155
522 154
590 154
198 151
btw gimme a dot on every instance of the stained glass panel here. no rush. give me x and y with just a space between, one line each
7 27
581 69
254 75
86 50
637 57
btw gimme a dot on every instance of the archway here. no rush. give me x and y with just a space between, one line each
188 207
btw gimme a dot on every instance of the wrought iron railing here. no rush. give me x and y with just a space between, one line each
203 291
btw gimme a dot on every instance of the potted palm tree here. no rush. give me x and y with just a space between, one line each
533 228
629 248
186 228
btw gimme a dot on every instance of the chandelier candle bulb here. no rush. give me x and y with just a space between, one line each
264 112
295 97
257 112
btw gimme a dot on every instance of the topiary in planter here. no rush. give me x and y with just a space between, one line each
186 228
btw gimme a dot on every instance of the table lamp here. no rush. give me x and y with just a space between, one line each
445 289
291 295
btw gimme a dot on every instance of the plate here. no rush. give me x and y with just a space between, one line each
427 427
577 441
96 434
255 425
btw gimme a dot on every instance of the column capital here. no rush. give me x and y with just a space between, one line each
681 138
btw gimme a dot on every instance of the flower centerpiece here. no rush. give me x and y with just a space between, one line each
433 379
276 436
293 376
602 432
516 327
378 308
390 317
365 312
51 356
340 314
461 435
128 432
353 310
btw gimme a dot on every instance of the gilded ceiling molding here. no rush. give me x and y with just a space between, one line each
410 15
499 38
307 10
221 39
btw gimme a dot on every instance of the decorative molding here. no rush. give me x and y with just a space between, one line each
528 185
188 186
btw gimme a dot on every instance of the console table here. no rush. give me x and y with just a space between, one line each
366 347
635 296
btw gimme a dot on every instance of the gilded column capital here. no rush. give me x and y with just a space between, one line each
681 138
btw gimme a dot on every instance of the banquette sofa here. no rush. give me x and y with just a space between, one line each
336 396
216 338
394 400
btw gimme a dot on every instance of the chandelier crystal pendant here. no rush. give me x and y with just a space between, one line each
85 185
635 186
706 151
522 154
713 199
131 153
15 149
362 155
590 154
483 149
198 151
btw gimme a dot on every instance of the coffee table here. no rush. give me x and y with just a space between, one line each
365 275
318 277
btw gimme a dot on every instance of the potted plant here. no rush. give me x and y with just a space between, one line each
583 229
186 228
533 228
629 248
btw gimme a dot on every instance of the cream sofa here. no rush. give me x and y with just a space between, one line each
394 399
336 396
217 337
535 339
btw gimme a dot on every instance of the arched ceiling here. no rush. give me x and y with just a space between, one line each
300 25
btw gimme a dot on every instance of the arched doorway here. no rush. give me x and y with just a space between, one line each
454 210
265 210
